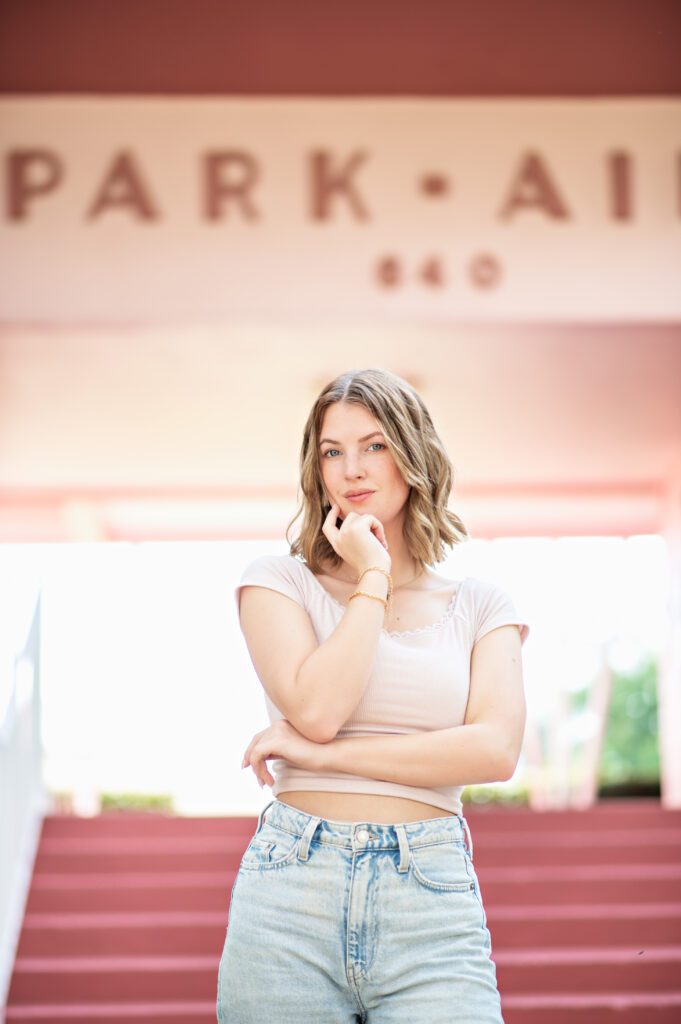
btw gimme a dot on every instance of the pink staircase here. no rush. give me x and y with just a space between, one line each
126 915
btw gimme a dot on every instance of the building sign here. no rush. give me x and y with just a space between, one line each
186 209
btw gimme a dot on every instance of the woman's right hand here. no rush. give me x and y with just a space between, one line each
361 540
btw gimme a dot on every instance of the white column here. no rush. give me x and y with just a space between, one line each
669 678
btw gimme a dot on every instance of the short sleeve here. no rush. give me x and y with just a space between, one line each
494 607
276 572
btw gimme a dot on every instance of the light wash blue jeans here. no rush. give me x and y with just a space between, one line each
337 922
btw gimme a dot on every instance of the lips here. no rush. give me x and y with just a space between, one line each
355 494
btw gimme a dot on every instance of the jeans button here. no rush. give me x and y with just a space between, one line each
362 835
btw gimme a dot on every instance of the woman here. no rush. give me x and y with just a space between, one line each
389 688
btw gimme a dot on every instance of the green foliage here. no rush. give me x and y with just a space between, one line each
630 750
506 795
157 802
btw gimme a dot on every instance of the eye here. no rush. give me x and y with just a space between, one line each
329 450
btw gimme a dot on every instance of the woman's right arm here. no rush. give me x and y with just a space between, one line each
317 686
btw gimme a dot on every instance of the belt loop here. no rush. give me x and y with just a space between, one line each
468 836
404 848
262 813
308 833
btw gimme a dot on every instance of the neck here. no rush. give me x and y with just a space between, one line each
404 565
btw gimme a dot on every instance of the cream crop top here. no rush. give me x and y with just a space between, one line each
419 679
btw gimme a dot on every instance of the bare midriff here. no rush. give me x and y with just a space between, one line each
360 807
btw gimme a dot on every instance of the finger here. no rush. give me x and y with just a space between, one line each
265 774
247 755
376 528
329 524
249 748
381 534
262 774
265 779
256 771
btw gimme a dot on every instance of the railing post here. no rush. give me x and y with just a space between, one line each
23 798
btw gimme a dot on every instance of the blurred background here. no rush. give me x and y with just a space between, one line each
211 210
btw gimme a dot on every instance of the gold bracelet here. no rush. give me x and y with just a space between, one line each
385 573
367 594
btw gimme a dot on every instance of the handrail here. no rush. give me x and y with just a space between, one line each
23 798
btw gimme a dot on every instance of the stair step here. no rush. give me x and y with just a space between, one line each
100 978
199 1011
177 932
592 1008
150 933
217 852
197 890
204 890
633 815
630 811
589 968
551 925
148 824
641 873
614 883
556 838
106 978
621 1007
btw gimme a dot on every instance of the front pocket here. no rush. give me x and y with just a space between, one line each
272 847
442 866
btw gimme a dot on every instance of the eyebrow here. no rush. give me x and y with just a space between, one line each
365 438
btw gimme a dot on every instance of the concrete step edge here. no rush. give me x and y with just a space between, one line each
517 1000
589 1000
154 845
543 956
90 1011
64 920
537 957
155 879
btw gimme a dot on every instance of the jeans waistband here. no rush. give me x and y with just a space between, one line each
371 835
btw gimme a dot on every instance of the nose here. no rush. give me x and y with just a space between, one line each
354 467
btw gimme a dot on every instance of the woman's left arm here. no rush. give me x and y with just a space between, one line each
485 748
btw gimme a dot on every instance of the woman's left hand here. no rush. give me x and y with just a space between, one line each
280 739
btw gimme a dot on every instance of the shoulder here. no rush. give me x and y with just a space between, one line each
479 588
442 581
278 565
487 605
284 573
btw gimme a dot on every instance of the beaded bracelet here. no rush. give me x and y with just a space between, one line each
366 593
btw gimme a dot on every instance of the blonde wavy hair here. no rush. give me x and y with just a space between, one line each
418 452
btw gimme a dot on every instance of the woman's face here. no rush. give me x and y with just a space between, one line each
350 461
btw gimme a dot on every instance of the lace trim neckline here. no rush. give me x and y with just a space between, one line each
430 627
